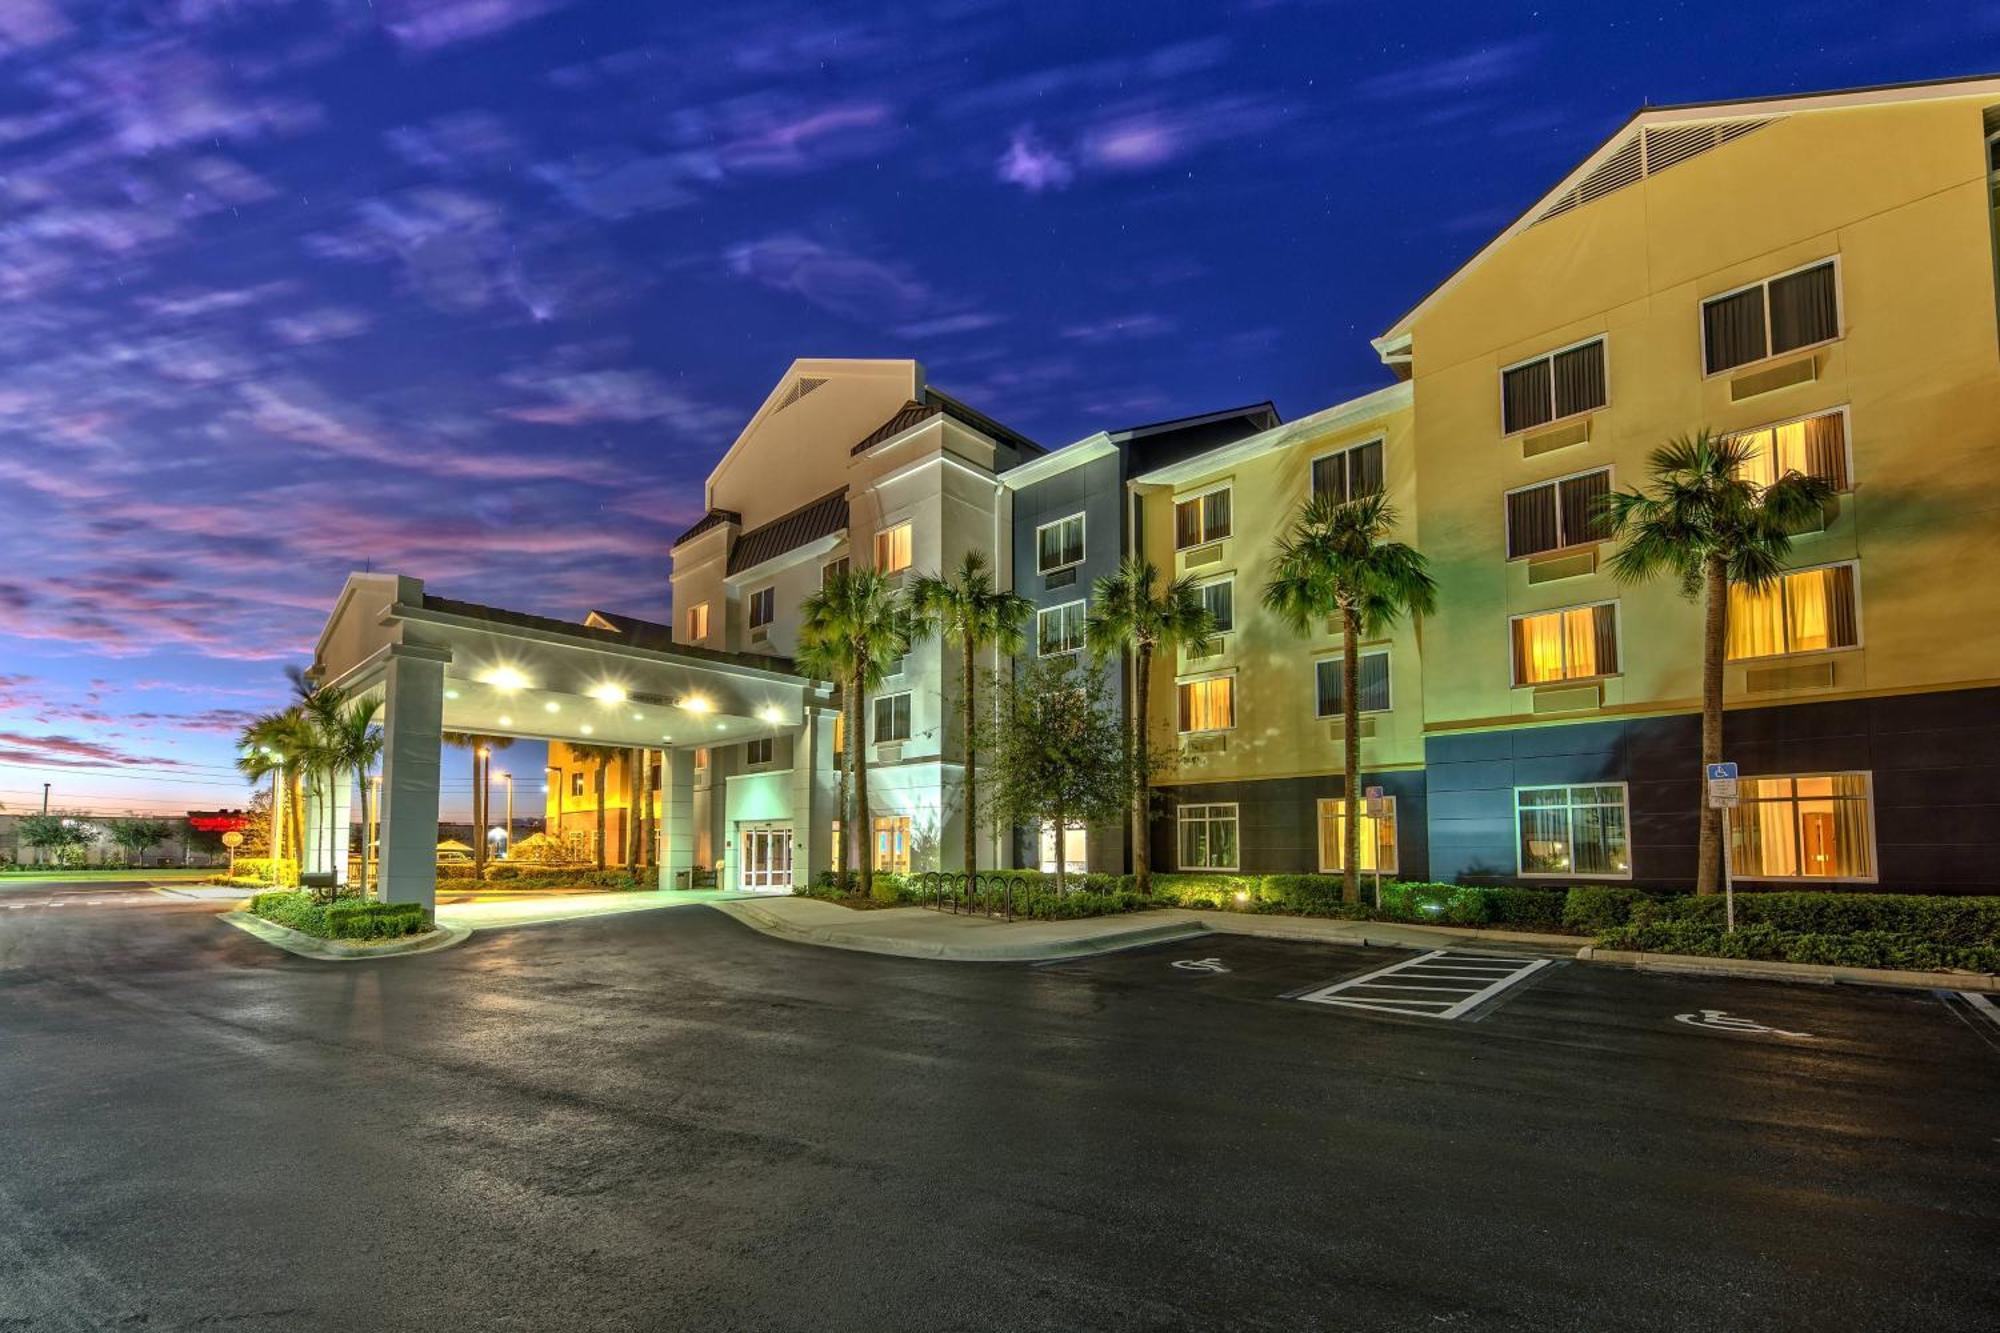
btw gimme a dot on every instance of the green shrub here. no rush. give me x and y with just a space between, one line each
342 918
1526 909
1186 887
1316 894
258 870
1864 948
1596 908
1964 921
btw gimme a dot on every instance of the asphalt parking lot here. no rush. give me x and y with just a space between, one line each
666 1120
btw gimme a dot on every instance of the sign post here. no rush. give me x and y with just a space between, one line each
1721 780
1374 806
232 840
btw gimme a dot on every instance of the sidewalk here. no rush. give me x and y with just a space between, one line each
919 932
528 911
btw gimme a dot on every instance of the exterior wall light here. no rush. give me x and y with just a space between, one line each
552 707
505 678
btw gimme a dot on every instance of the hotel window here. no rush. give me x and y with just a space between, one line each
1806 611
1059 629
1576 643
1770 318
1814 446
1350 474
1378 837
1208 705
759 751
1332 684
1574 831
1076 850
1219 599
576 783
763 607
1568 511
892 718
1059 545
892 843
1205 518
892 549
1806 827
1207 837
701 757
831 570
698 621
1551 387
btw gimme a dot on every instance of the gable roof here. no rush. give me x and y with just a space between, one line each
1341 416
644 633
808 523
712 519
1264 413
919 410
1637 149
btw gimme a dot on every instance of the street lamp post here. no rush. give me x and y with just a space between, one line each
508 845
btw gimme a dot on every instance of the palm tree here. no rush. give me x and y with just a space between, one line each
968 608
324 712
1130 610
850 631
274 746
599 757
353 745
1708 528
481 747
1337 560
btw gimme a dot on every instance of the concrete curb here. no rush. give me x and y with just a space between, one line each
761 919
343 951
1755 969
1377 934
216 894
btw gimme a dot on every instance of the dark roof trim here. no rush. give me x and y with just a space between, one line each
712 519
808 523
605 638
1266 410
645 633
919 410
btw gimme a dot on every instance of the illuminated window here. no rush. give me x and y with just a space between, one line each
1332 684
892 718
759 751
1551 387
892 549
892 843
763 607
1807 611
1219 600
1804 827
1574 831
1059 545
1205 518
1208 705
1206 837
832 570
1059 629
701 757
1378 837
1076 850
576 783
1769 318
1573 644
1814 446
1566 512
697 621
1349 474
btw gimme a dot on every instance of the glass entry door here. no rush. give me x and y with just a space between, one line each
767 858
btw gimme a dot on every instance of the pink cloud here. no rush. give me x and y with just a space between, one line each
1032 165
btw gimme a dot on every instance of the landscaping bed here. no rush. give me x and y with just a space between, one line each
341 918
1027 894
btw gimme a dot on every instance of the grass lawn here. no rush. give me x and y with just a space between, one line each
46 875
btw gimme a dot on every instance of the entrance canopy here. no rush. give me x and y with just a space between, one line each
444 665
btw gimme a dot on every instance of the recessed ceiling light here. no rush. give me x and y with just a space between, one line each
506 721
585 728
552 707
607 693
505 678
694 703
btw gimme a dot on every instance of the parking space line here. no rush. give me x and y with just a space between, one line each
1470 980
1982 1006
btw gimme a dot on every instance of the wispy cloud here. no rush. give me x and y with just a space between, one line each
1032 164
1470 71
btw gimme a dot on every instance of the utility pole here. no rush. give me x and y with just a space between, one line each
45 798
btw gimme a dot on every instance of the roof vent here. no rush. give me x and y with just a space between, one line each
800 388
1645 155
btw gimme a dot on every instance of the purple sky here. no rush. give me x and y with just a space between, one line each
477 290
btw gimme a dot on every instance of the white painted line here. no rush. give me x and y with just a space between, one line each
1471 987
1982 1006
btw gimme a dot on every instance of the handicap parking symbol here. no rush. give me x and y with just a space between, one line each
1720 1020
1200 965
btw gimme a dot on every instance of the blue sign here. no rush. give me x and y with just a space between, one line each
1724 772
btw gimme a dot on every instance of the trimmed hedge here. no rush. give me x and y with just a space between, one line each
258 869
1595 908
1862 948
1960 922
560 879
342 918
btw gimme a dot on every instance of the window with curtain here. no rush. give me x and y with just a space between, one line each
759 751
576 783
1059 545
1208 705
1205 518
763 607
698 621
1574 830
1773 317
892 718
1811 826
1207 837
1331 683
892 843
1059 629
1814 446
1576 643
1549 388
1220 600
1805 611
892 549
1349 474
1378 837
1566 512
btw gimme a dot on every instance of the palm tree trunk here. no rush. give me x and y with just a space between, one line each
864 825
367 829
295 814
971 779
1142 852
632 790
1708 850
1350 727
600 812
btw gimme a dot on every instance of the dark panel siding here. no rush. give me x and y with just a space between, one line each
1278 820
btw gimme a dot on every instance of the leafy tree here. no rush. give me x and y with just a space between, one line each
134 837
1708 528
849 632
1056 750
1132 611
967 608
275 746
60 838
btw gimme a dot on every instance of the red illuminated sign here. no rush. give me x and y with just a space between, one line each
218 821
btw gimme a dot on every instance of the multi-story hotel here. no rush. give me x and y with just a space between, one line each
1816 275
